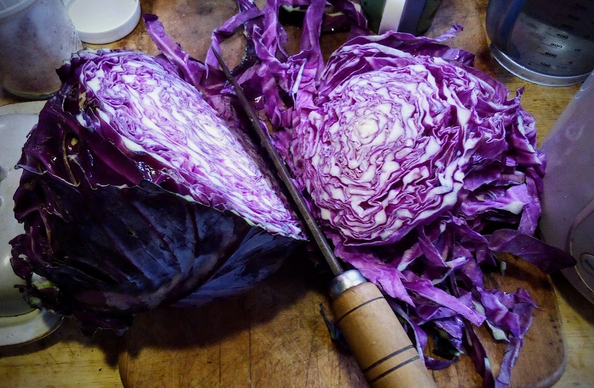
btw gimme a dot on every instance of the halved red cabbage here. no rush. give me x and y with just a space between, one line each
136 193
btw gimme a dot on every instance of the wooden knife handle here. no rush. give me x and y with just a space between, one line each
377 340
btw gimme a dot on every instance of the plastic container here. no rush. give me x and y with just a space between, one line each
36 37
568 201
105 21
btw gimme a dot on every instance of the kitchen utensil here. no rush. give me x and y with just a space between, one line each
568 201
414 17
374 334
548 42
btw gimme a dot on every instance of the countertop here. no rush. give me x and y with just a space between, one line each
67 358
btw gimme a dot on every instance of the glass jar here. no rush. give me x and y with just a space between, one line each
36 37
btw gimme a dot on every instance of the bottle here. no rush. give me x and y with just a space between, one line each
36 37
567 220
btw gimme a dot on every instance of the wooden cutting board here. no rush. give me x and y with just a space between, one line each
274 336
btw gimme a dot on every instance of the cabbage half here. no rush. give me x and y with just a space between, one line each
417 165
136 193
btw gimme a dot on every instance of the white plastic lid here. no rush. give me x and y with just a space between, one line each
106 21
10 7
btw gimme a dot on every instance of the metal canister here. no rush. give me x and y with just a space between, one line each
548 42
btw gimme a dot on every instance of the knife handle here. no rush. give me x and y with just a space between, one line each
376 338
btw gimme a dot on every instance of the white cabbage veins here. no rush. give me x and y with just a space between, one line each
156 113
387 152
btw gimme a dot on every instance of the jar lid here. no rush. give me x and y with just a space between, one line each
10 7
106 21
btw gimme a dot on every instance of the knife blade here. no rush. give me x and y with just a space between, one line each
376 338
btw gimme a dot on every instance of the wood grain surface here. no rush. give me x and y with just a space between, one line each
64 359
275 336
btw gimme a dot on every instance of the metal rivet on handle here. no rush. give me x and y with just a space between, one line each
344 281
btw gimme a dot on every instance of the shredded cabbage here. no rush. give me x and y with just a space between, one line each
417 165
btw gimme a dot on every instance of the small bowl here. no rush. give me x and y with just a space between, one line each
19 323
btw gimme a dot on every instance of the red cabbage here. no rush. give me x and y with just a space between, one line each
136 193
417 165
